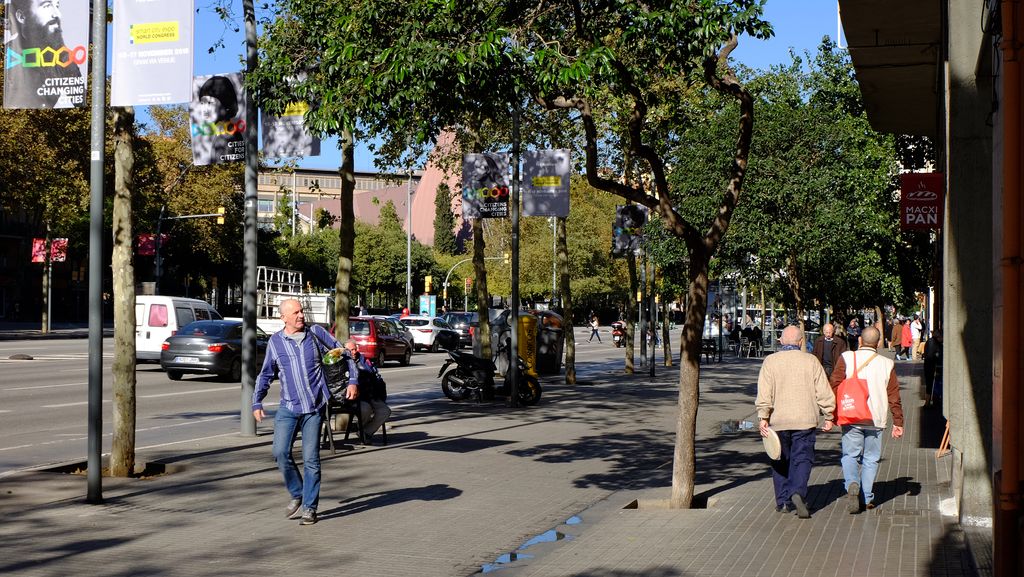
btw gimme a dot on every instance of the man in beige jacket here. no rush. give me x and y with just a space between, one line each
792 390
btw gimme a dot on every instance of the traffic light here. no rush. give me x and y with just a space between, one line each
220 215
427 282
507 258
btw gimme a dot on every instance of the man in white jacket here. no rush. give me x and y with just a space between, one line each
862 443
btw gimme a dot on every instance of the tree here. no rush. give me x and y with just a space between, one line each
813 146
444 221
414 67
122 451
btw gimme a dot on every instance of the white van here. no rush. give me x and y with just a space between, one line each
157 317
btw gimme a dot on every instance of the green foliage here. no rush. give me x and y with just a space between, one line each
379 263
324 219
819 216
444 221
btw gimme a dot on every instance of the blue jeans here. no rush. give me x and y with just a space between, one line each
792 471
286 426
862 448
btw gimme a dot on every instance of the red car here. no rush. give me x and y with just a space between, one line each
379 340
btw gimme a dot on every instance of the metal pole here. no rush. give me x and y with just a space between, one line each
408 242
643 306
94 478
513 366
295 204
247 421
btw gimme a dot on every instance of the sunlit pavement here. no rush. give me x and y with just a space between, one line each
570 487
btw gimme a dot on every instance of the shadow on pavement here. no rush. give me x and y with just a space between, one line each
436 492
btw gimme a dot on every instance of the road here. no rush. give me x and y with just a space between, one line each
43 402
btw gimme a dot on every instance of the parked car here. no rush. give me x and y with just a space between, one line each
380 339
464 323
399 328
209 347
432 333
158 317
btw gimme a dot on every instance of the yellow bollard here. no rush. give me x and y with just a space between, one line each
527 344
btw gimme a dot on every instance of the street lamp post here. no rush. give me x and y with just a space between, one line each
408 242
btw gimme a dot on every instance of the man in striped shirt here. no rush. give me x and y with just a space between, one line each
294 356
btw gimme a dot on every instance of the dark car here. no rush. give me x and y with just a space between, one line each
380 339
464 323
210 348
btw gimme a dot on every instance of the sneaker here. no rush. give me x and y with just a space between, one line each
308 517
801 507
783 508
853 498
291 511
869 506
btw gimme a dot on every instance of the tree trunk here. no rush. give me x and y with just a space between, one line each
347 236
480 285
634 284
793 282
122 452
684 465
564 288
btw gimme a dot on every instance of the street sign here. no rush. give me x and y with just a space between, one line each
921 200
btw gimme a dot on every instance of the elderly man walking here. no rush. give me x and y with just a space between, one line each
862 443
792 391
294 355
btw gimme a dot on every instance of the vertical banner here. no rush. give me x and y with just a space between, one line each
547 183
152 52
286 135
627 231
921 200
46 47
58 249
485 185
217 119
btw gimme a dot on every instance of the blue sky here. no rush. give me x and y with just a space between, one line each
798 24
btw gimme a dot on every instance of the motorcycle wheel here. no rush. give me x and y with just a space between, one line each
453 390
529 391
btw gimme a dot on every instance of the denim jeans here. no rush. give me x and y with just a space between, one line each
862 448
792 471
286 427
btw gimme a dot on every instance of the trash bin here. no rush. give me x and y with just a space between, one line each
550 342
527 337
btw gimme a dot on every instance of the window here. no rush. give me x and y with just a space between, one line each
383 329
184 315
158 316
265 205
202 314
140 310
359 328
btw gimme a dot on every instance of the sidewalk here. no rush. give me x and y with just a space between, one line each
463 489
11 331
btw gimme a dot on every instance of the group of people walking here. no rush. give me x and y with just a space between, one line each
795 390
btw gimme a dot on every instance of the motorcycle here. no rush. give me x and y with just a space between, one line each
618 334
472 375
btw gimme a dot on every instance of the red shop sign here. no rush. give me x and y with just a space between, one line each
921 200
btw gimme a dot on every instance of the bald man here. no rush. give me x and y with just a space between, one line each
862 443
792 391
294 356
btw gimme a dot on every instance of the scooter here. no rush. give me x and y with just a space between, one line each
619 334
472 375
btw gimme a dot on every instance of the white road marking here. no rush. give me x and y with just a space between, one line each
45 387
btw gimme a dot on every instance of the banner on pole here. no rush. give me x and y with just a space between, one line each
485 190
286 135
58 249
46 49
217 119
546 175
627 231
152 52
921 200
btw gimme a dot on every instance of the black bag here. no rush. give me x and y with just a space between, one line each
336 374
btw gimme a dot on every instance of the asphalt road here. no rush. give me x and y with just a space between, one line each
43 402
